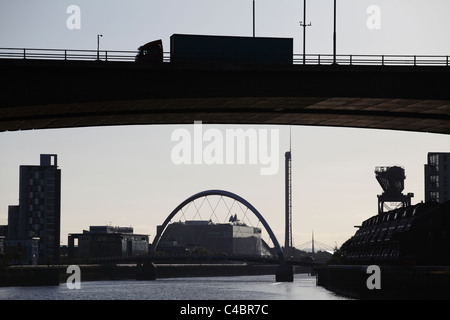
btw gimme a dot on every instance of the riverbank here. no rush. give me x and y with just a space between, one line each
53 275
170 294
33 276
395 282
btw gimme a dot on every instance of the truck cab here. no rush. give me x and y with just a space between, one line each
150 52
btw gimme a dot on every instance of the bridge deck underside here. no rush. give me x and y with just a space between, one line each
397 114
41 95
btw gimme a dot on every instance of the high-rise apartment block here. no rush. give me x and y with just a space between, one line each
437 177
37 218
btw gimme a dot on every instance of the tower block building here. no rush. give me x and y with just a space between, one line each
37 218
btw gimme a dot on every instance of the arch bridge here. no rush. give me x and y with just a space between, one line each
285 270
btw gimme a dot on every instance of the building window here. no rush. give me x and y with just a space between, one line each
434 196
51 174
434 181
433 160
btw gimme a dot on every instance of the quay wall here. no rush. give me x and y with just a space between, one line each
54 275
396 282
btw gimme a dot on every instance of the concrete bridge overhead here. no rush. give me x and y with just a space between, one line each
41 94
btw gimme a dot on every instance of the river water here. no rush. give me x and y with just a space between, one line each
214 288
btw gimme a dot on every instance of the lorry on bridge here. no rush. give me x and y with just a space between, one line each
151 52
187 48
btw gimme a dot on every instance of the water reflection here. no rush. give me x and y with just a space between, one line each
215 288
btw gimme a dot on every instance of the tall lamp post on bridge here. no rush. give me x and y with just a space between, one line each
98 46
304 25
334 35
253 18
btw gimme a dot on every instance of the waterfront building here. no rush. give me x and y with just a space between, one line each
3 233
220 238
437 177
37 218
2 245
13 222
107 241
415 235
22 251
3 230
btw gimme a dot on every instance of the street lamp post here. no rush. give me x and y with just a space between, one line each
334 35
98 46
253 18
304 25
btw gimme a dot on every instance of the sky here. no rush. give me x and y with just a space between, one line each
126 176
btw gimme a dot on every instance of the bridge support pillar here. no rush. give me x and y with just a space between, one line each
145 271
284 273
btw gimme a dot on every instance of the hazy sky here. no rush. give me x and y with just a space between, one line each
125 175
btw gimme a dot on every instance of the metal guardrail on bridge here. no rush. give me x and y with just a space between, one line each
309 59
372 59
66 54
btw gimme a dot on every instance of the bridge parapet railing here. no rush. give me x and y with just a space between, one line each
372 59
66 54
309 59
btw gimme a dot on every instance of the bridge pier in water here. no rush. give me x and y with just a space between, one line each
284 273
145 271
149 271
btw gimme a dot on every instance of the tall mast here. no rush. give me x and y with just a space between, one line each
288 197
304 25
